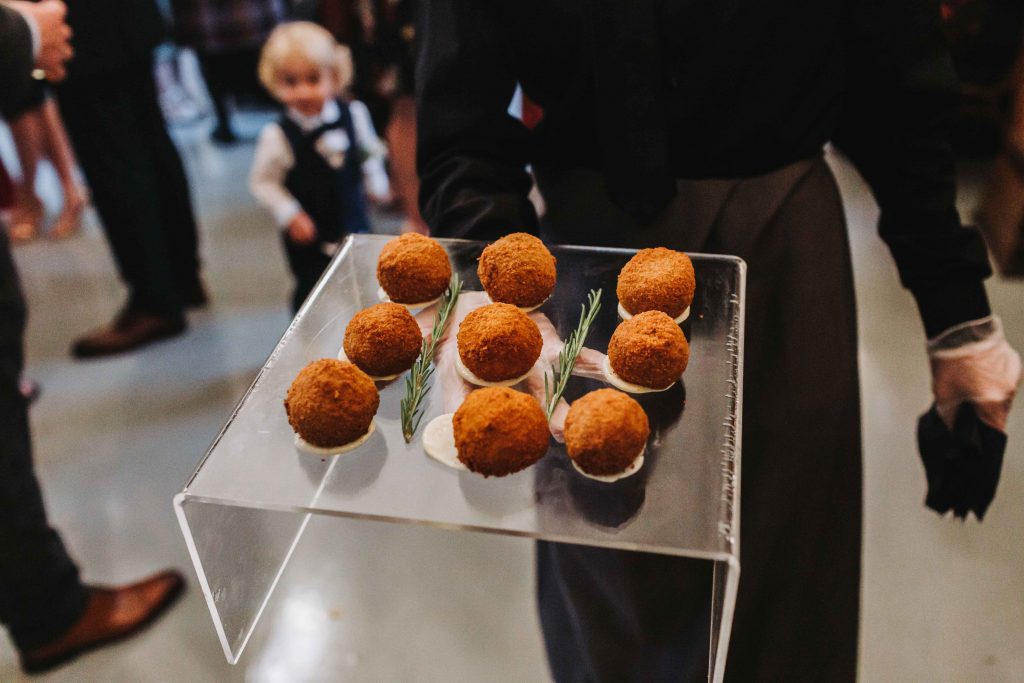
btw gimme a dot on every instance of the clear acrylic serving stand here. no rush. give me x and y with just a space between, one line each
244 510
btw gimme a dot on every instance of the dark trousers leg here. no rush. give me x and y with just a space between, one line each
181 233
40 593
307 263
216 74
138 183
797 610
613 616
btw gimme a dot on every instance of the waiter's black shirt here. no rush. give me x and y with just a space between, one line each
749 86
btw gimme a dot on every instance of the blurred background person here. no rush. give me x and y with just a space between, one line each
382 35
227 36
985 37
39 133
51 615
109 103
312 168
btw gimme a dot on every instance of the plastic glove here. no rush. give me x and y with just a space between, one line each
973 363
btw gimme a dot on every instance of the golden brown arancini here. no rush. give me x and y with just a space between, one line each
649 350
498 342
605 431
657 279
413 269
517 269
331 403
383 340
499 431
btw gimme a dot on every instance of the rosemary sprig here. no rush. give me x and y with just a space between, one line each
555 387
416 381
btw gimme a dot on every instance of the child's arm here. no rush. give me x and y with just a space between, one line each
270 166
377 184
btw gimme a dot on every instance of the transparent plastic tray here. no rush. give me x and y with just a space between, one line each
238 510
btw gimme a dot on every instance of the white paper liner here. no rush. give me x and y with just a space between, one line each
467 374
524 309
623 385
375 378
303 445
383 296
439 441
630 470
626 315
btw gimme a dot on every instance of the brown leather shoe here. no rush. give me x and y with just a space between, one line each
130 330
112 614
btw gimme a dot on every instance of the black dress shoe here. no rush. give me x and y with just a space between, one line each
131 330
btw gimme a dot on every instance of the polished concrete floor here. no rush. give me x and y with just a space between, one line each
116 439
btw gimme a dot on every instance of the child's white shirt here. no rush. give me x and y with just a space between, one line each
274 159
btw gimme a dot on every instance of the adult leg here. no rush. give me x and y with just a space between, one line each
40 592
119 159
401 136
29 142
797 610
58 148
174 198
216 70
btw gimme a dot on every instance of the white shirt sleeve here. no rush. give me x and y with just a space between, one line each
377 183
270 166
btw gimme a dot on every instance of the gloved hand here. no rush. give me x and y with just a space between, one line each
973 363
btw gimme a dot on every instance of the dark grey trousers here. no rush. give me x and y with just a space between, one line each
618 616
40 593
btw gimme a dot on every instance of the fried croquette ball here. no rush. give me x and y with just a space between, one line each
331 403
413 269
499 431
605 431
498 342
517 269
383 340
657 279
649 350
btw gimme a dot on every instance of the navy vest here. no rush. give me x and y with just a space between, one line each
333 197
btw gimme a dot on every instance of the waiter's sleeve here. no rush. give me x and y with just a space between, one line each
16 59
471 154
902 98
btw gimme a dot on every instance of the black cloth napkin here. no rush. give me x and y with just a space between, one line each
963 465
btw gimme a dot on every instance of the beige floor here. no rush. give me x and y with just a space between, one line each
115 439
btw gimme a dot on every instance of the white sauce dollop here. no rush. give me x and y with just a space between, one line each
626 315
375 378
467 374
623 385
383 296
304 445
630 470
439 441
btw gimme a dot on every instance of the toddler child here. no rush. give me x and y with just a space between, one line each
310 166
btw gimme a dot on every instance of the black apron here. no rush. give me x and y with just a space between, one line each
611 615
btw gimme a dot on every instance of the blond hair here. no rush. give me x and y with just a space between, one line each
313 43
